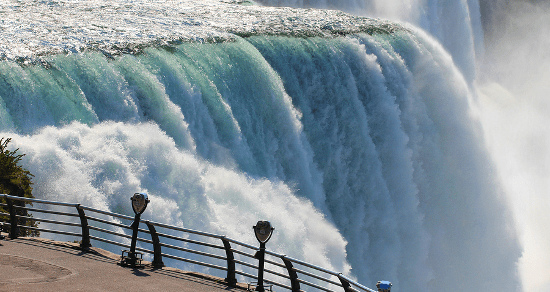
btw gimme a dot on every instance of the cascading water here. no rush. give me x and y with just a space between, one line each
355 138
456 24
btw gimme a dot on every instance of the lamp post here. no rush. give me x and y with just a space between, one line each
139 204
263 232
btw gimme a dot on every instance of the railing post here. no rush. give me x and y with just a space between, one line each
345 284
231 279
3 224
85 244
14 229
292 274
157 260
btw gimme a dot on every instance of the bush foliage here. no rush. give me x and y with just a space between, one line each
15 181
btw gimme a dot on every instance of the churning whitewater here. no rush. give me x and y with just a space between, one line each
353 136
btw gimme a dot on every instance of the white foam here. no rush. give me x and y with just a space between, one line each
34 28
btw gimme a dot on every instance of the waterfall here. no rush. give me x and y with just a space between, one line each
365 151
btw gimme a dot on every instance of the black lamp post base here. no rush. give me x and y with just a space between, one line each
132 260
158 264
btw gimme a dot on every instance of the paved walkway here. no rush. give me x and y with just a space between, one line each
29 264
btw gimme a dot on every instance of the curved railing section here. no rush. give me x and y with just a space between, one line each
228 255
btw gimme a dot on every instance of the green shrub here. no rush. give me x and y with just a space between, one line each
15 181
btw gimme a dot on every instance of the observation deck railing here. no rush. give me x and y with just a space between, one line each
231 256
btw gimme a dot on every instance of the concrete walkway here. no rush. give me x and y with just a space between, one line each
33 264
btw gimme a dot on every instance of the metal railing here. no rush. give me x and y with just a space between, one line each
233 257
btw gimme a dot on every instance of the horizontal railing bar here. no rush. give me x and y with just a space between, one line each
144 230
356 284
314 285
190 241
48 221
361 286
252 256
50 212
316 277
245 264
117 224
119 234
39 201
184 229
246 275
144 250
193 251
278 284
265 280
144 240
271 253
243 244
107 213
310 266
275 263
109 241
51 231
265 270
277 274
109 231
193 262
243 253
121 244
107 222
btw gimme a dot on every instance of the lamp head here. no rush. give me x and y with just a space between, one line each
263 231
139 202
384 286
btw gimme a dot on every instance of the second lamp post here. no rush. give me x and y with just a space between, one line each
263 232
